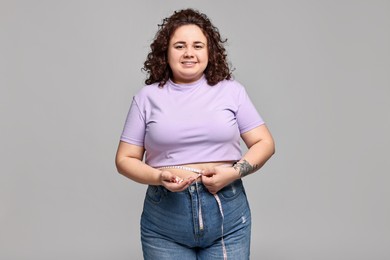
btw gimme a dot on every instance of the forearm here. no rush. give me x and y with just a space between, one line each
138 171
257 155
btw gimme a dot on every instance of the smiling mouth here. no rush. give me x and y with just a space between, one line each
188 62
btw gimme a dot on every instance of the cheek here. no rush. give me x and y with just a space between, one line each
172 56
204 57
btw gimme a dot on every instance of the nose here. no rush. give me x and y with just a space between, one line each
188 52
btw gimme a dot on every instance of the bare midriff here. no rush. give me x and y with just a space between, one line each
185 174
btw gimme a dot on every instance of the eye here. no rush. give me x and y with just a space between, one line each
198 47
179 46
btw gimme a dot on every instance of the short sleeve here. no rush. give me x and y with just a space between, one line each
134 129
247 116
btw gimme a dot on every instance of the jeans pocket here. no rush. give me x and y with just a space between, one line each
154 194
231 191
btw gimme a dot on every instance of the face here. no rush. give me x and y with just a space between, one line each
187 54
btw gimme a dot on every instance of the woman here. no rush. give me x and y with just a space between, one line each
188 121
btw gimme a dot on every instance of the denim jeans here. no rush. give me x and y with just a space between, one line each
189 224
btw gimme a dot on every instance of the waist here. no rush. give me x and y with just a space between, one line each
194 170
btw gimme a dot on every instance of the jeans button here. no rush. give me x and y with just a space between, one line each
192 188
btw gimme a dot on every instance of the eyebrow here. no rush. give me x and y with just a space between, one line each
183 42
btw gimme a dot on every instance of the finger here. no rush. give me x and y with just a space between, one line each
181 185
166 176
208 181
210 189
176 179
191 180
169 177
208 172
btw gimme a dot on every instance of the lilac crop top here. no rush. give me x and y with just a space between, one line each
190 123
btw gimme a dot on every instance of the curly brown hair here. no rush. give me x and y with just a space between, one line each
156 64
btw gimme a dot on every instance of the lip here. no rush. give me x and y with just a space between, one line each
188 64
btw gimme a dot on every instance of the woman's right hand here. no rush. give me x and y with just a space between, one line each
173 182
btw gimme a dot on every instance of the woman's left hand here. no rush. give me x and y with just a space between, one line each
214 179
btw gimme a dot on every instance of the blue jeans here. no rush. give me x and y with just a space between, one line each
189 224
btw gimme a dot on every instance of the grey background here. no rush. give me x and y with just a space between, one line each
318 72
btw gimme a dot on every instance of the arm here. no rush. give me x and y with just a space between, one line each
129 163
260 148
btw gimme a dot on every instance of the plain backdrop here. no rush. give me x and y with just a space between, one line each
318 72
